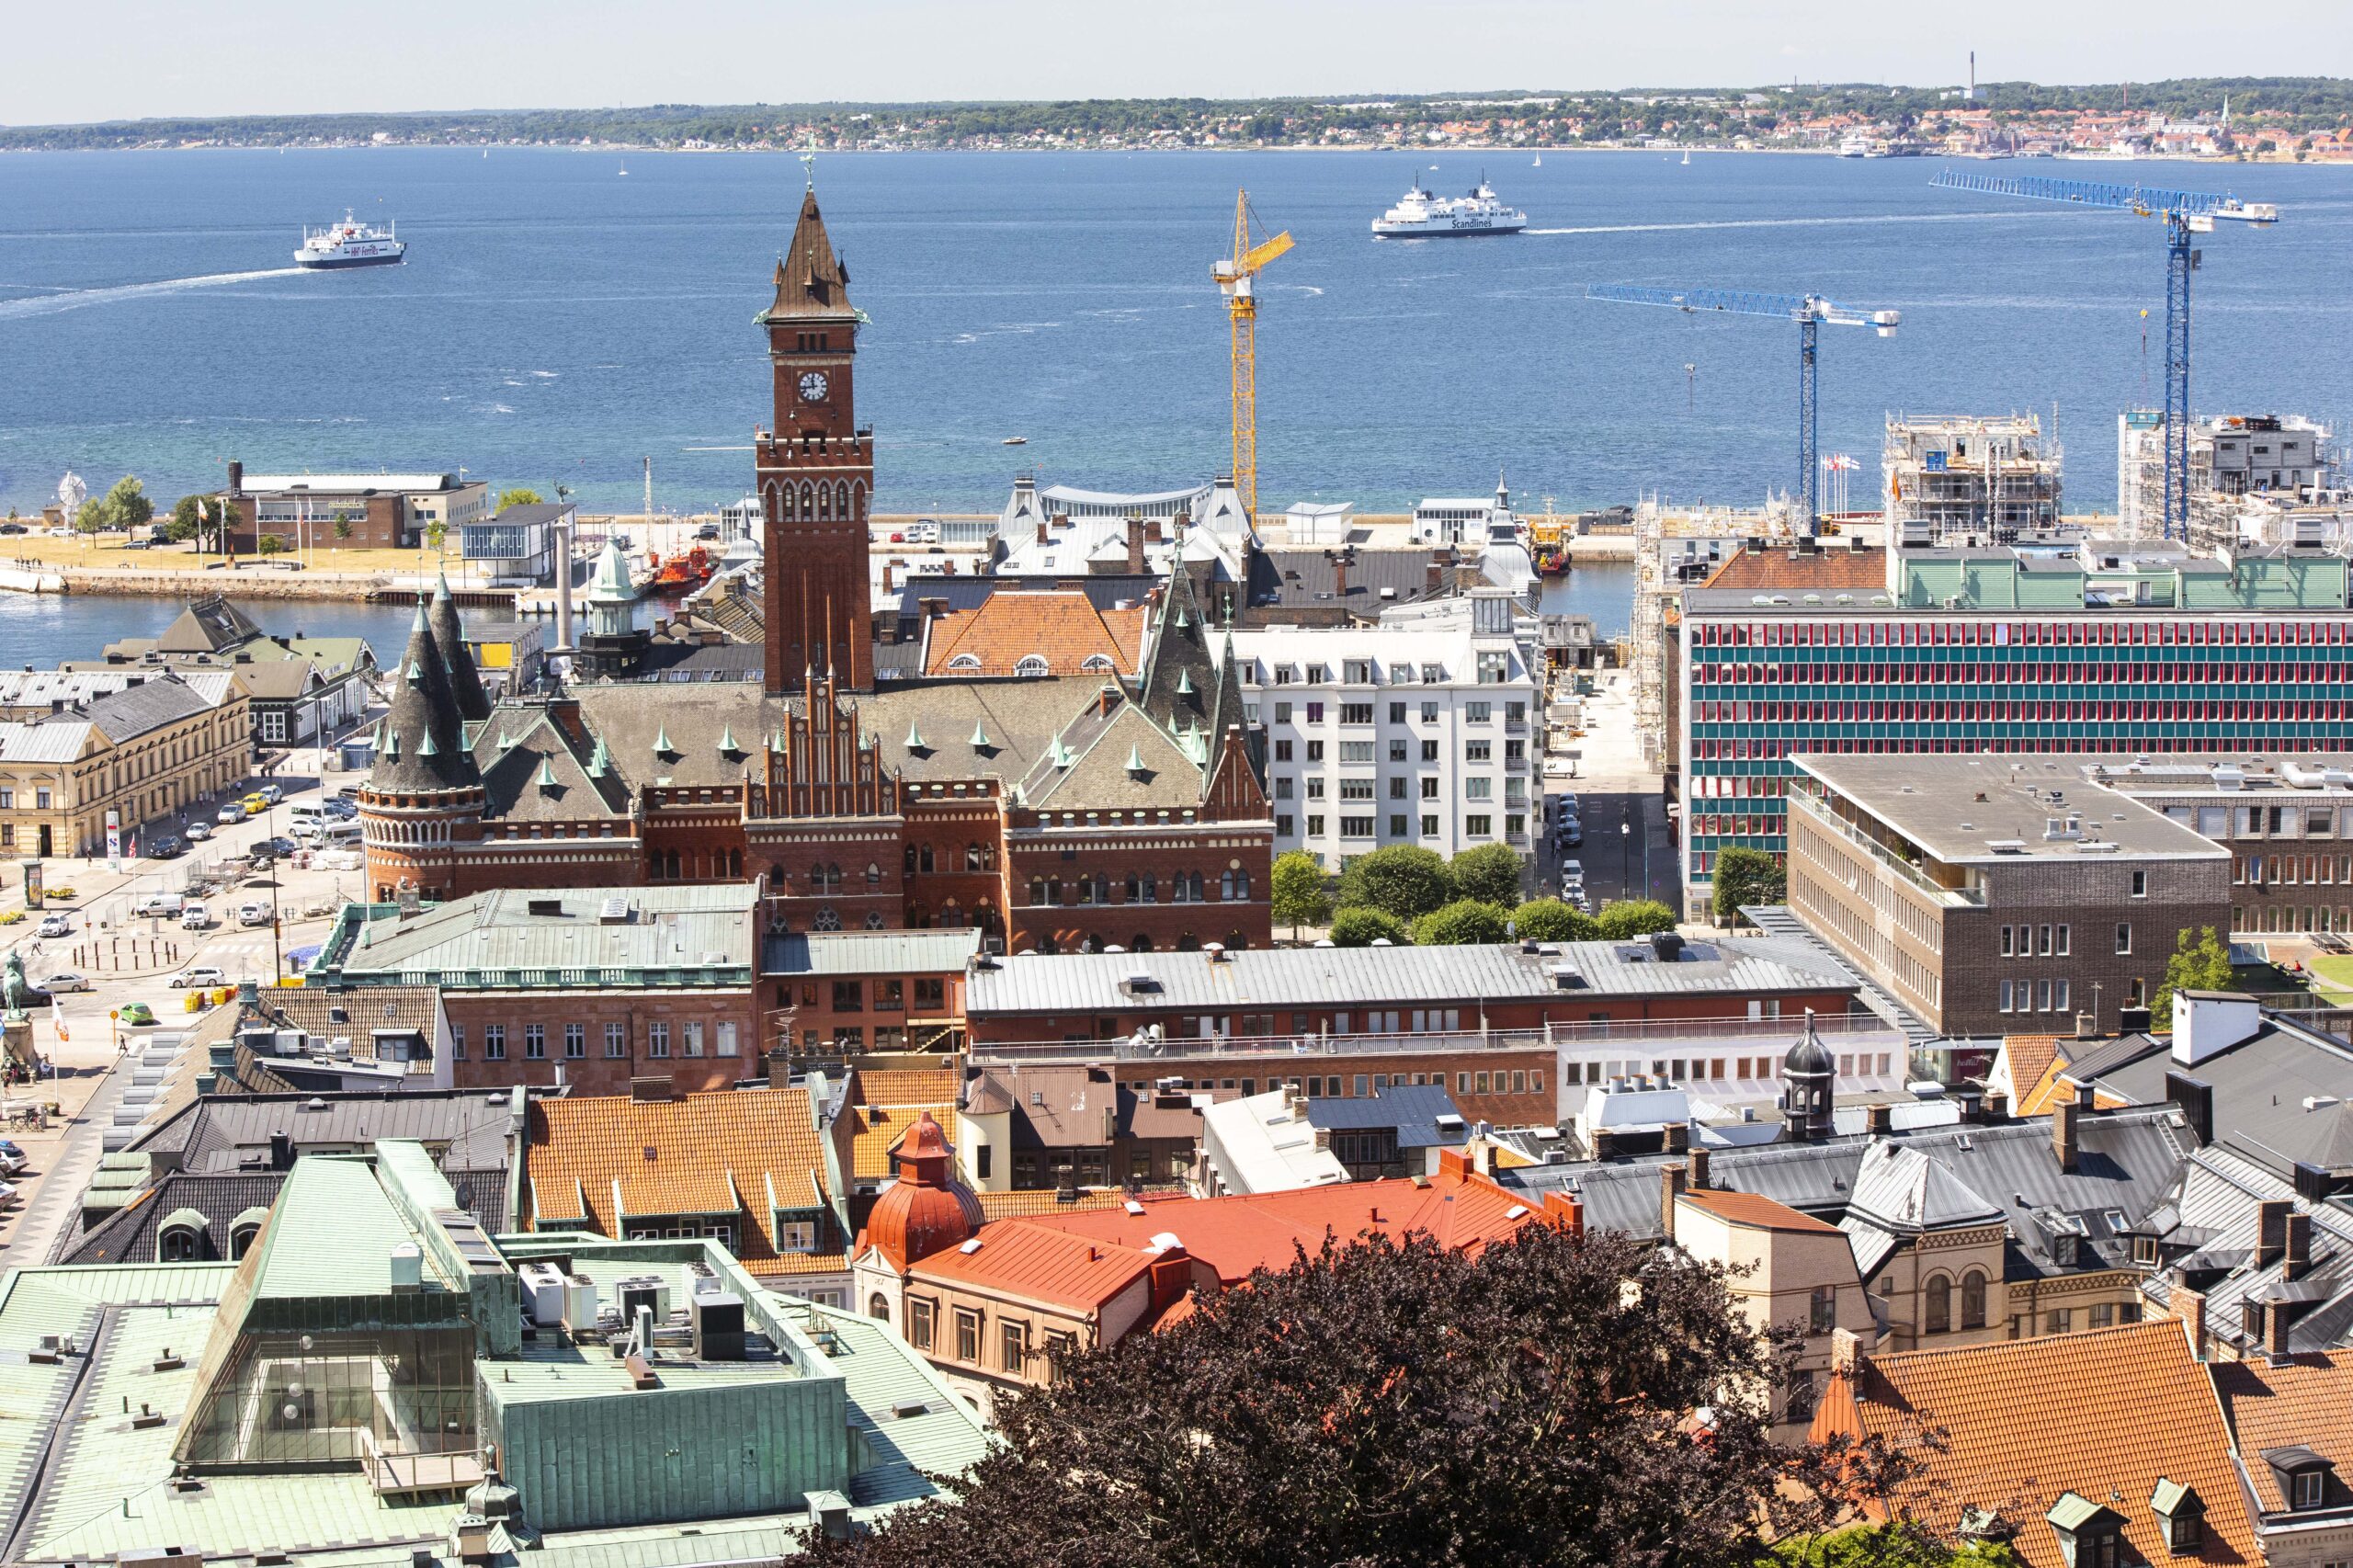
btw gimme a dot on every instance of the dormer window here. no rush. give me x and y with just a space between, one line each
2309 1487
2302 1475
2181 1517
2088 1534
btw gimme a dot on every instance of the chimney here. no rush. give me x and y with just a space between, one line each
1879 1120
2297 1260
1341 560
2271 1231
886 576
2205 1022
1997 1107
649 1090
281 1151
1044 535
1671 1185
1699 1170
564 585
1605 1143
2065 1135
934 607
2275 1332
2196 1098
237 479
1135 544
2190 1307
1846 1349
1679 1137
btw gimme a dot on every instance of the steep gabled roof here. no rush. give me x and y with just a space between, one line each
420 742
449 636
1064 629
811 281
1182 674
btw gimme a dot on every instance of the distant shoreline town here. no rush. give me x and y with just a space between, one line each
2267 119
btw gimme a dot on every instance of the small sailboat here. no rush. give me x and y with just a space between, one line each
1687 157
1538 162
624 168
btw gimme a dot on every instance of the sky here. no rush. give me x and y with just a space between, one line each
116 59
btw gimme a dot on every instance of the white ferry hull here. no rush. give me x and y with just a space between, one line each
1441 228
313 262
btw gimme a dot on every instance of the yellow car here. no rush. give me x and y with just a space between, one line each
255 805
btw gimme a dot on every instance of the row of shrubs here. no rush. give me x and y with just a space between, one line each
1405 894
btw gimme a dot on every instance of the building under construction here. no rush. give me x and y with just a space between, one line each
2260 478
1951 477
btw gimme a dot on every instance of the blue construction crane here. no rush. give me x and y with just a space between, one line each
1809 310
2186 213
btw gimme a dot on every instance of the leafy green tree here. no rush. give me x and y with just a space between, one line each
1489 873
1745 876
273 544
1550 920
435 532
1463 923
1404 878
92 517
1383 1403
342 525
187 520
1299 896
1634 918
2199 963
1362 925
518 496
127 506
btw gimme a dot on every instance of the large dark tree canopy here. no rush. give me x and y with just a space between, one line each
1392 1404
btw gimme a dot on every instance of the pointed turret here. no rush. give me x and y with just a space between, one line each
449 636
1180 674
810 279
420 742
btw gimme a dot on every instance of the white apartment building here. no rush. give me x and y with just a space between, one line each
1420 729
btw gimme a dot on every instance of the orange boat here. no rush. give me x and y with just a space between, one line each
679 570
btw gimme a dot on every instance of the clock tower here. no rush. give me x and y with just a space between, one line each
815 469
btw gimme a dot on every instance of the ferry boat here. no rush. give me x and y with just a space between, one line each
349 244
1419 212
1858 145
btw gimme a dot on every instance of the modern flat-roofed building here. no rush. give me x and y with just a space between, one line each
1995 894
1417 731
2057 644
521 542
379 511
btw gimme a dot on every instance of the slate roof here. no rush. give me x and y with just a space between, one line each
533 770
138 710
2212 1207
208 626
811 281
133 1233
2106 1415
2305 1402
2261 1086
1309 579
1413 1109
420 741
743 1152
449 636
870 952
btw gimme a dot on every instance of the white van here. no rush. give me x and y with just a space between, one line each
166 904
302 812
341 835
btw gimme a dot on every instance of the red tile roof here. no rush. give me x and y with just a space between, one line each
2305 1402
1063 626
1081 1260
1758 1214
2106 1415
1834 568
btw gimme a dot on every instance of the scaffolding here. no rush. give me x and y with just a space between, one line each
1678 548
2252 476
1953 476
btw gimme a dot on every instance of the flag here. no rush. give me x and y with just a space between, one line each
57 1017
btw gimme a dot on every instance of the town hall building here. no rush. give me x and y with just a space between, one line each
1055 813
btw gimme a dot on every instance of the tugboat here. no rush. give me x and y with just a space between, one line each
678 572
349 244
1420 214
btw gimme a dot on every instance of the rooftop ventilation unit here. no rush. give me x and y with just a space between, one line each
612 912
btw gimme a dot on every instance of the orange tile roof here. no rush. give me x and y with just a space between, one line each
2106 1415
2032 1057
1834 568
1082 1260
1747 1209
879 1128
608 1157
2305 1402
909 1085
1063 626
1046 1201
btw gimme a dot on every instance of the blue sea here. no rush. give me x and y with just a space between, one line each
559 321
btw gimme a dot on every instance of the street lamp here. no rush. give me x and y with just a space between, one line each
1625 858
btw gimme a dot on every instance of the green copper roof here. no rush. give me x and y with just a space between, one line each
980 736
915 737
727 741
547 774
661 746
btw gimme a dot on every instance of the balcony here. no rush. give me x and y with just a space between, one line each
1880 854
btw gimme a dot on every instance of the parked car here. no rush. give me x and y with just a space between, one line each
255 803
14 529
280 846
1560 768
343 806
1571 874
13 1160
201 977
1571 833
138 1015
255 913
53 926
271 793
231 814
64 981
708 531
194 917
924 532
168 847
165 904
198 831
349 793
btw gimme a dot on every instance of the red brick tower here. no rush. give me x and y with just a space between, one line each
815 474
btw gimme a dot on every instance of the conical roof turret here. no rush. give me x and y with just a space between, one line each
811 281
449 636
421 740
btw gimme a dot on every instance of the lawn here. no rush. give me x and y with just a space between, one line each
2331 974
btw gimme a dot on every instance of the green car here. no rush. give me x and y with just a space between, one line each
136 1013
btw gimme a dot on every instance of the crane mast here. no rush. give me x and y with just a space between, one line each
1236 278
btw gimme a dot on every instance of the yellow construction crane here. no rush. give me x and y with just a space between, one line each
1235 278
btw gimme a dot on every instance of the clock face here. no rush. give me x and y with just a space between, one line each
812 387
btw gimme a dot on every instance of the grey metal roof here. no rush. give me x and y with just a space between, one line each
151 705
2126 1161
869 952
502 938
1412 1108
2279 1096
54 740
2215 1202
1342 977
